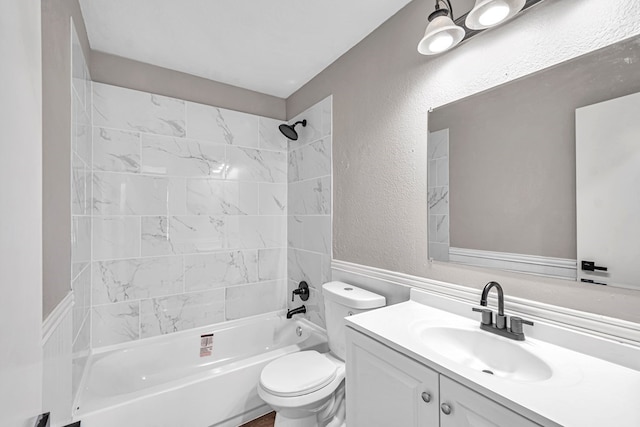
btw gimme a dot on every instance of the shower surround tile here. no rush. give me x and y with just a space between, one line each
81 287
129 194
310 161
183 157
272 264
177 195
310 197
80 241
309 206
215 197
222 126
257 298
81 131
295 232
116 150
159 316
132 279
312 131
126 109
256 232
270 136
304 265
115 323
81 198
188 207
163 235
273 199
116 237
326 107
247 164
80 186
316 233
220 270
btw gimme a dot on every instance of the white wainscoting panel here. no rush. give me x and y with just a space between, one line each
56 377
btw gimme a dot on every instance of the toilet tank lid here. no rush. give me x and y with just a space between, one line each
352 296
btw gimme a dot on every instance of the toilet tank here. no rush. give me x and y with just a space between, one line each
342 300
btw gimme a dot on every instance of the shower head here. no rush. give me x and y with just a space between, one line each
290 130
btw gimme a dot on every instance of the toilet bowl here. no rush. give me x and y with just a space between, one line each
306 389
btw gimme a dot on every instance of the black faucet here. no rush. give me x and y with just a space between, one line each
500 327
500 318
301 309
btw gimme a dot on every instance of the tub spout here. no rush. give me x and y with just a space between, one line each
301 309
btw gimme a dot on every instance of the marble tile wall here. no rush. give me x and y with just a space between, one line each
81 165
189 215
438 194
309 207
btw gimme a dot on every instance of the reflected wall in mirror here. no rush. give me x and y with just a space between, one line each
502 169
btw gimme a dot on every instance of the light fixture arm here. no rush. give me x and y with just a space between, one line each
447 4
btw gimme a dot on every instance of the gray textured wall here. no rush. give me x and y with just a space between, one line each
382 90
118 71
56 145
512 153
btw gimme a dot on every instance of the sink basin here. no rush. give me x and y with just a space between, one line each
482 351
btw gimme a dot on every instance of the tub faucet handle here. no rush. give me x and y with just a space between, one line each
303 291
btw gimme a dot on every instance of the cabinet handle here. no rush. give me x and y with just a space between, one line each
446 409
426 397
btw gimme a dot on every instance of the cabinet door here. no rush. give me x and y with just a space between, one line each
471 409
386 388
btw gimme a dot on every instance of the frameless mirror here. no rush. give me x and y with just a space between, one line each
502 172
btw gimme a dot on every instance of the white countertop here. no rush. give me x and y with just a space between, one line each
584 391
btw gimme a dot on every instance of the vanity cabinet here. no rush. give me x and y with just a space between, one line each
388 389
470 409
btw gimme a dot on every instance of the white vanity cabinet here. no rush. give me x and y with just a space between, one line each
388 389
470 409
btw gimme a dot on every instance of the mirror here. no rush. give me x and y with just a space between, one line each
502 169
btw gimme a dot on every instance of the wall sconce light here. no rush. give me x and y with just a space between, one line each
442 33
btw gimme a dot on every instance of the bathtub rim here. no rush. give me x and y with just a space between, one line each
204 329
201 329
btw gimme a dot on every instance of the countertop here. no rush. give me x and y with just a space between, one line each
583 391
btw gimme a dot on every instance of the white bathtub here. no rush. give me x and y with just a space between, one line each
163 381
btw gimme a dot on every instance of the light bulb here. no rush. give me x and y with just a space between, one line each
441 42
494 14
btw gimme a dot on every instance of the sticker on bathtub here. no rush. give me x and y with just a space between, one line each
206 345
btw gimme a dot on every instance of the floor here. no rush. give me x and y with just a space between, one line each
263 421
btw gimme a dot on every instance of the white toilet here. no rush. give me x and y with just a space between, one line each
306 389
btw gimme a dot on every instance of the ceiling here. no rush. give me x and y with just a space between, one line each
270 46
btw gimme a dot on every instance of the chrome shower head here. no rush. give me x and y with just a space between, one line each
290 130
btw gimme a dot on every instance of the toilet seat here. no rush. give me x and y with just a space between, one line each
298 374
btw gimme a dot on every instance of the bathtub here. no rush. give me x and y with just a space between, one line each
164 381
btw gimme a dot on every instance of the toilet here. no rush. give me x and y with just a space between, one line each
306 389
